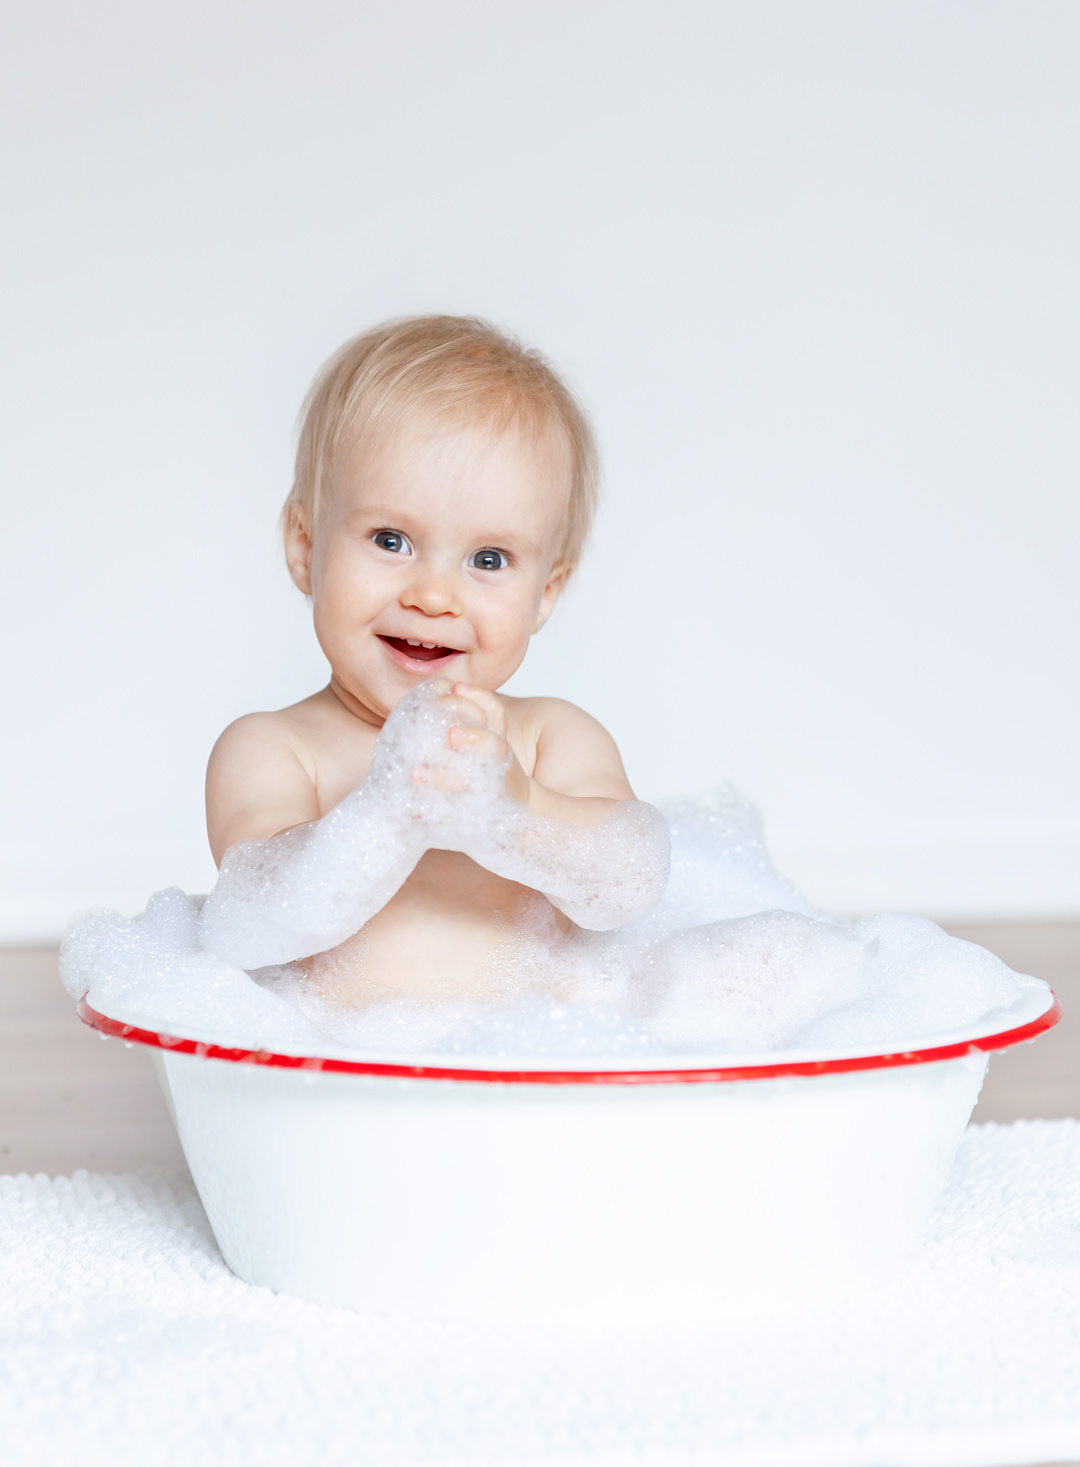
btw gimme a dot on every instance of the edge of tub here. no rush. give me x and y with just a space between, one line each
673 1075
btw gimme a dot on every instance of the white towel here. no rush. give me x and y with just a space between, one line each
125 1340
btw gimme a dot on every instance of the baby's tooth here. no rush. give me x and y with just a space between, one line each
411 642
428 645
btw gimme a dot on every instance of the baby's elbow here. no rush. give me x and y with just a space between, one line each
646 863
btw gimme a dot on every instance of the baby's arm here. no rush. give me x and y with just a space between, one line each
572 829
291 884
442 776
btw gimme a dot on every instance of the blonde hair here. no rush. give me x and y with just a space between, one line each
450 368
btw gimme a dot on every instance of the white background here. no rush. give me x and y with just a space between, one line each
812 267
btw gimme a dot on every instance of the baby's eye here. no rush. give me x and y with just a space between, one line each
488 560
391 540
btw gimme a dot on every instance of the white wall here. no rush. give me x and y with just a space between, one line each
812 266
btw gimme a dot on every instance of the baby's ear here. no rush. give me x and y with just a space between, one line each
556 584
297 535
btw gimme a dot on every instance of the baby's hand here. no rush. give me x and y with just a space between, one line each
480 733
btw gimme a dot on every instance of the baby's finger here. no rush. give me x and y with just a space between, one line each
479 741
489 704
432 777
463 708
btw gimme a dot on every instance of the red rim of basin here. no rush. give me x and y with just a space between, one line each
1002 1040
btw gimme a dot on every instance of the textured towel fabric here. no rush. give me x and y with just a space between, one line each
126 1340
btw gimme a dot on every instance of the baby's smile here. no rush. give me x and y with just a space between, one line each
426 658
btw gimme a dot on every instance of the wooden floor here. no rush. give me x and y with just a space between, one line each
69 1099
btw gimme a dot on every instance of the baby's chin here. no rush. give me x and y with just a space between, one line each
374 692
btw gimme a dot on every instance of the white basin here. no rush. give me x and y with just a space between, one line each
679 1192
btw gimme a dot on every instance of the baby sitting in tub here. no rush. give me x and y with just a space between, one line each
404 830
408 845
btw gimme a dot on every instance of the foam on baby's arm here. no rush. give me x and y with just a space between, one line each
600 875
308 889
311 887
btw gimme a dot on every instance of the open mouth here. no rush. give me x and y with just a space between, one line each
419 655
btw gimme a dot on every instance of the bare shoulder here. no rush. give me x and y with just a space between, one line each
261 776
566 748
550 716
289 730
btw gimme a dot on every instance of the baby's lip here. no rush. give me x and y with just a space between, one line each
412 654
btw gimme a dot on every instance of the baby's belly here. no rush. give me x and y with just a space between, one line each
453 931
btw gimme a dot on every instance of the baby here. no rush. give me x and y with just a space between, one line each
403 832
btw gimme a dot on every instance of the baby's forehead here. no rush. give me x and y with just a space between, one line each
456 458
458 473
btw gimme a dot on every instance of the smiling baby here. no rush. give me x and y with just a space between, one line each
398 832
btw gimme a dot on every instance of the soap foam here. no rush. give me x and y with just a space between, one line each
310 888
732 960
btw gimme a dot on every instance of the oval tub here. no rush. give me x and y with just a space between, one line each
684 1193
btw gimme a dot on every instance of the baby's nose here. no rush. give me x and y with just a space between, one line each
434 592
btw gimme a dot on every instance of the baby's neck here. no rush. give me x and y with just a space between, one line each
354 705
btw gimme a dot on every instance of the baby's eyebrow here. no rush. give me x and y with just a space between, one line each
516 544
389 514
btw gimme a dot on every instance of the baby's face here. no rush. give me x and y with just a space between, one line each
435 553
